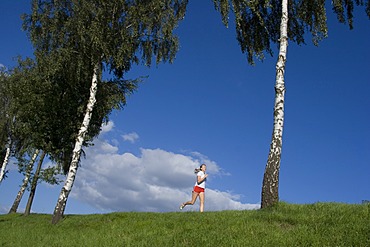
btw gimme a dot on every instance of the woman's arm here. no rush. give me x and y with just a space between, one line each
201 179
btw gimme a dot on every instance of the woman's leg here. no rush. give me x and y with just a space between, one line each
201 198
194 197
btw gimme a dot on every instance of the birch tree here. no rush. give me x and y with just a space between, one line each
257 26
5 123
6 159
22 189
8 141
33 186
105 35
270 185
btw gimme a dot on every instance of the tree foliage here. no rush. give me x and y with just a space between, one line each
116 33
71 36
258 21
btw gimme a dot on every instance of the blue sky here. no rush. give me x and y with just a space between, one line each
211 106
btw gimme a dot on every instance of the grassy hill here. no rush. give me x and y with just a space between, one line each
319 224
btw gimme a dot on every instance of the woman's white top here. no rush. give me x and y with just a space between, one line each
203 183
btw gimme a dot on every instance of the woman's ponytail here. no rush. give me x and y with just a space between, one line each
196 170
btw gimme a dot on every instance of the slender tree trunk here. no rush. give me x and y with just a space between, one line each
270 186
34 185
62 200
6 160
18 199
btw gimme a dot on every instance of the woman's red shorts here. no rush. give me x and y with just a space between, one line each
198 189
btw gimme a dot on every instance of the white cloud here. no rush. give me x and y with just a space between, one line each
106 147
156 180
4 209
131 137
107 127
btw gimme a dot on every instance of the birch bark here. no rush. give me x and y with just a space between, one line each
63 196
34 185
6 160
270 186
18 199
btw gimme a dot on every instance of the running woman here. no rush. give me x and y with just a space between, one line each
199 188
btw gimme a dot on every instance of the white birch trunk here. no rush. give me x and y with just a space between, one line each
270 186
62 200
34 185
6 160
18 199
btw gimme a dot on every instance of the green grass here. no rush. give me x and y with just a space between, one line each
319 224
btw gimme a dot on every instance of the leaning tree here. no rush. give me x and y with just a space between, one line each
6 121
107 36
